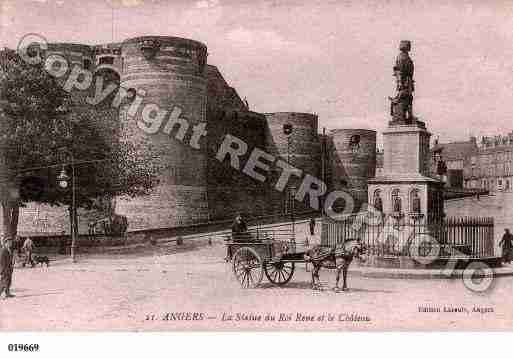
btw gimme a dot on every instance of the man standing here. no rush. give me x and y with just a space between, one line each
28 247
506 244
6 268
312 226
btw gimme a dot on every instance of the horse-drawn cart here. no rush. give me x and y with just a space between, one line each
251 260
265 252
269 252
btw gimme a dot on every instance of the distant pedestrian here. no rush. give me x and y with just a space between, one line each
506 244
62 243
6 268
28 248
312 226
16 245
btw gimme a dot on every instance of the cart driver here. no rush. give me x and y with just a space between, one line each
239 229
239 233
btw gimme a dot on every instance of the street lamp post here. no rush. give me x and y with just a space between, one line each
63 181
291 193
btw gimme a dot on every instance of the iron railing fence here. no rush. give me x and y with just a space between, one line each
412 235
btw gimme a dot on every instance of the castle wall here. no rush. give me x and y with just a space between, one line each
174 80
221 96
352 166
301 150
194 186
37 218
230 190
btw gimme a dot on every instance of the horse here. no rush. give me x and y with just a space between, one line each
338 257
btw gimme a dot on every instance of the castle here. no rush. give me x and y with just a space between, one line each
195 187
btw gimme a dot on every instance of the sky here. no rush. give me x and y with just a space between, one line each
332 58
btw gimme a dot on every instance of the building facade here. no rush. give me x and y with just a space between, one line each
485 165
491 166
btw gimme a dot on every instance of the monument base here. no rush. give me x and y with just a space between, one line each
407 194
414 122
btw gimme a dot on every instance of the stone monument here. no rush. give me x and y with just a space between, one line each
406 188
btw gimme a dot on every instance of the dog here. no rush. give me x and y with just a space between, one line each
41 260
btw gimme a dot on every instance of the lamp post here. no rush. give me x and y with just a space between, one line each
287 131
291 193
63 182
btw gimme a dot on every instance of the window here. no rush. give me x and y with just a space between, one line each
507 185
354 143
377 202
106 60
396 201
415 201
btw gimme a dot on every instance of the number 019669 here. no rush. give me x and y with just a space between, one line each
23 347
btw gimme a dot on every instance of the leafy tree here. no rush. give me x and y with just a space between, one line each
30 100
43 127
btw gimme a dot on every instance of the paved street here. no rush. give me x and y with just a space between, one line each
120 292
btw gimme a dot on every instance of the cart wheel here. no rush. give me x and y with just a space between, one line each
279 273
247 267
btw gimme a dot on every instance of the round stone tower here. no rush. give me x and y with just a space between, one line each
353 161
301 148
168 73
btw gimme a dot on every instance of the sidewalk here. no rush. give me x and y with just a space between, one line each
397 273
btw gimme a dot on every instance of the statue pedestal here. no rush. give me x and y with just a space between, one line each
414 122
406 149
405 185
